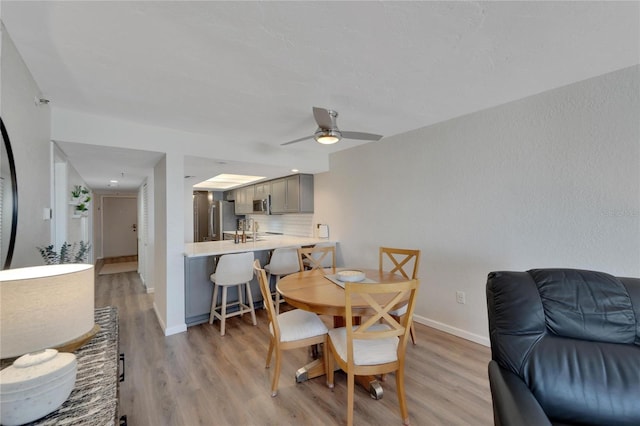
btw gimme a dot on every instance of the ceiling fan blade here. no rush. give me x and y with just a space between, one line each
297 140
323 118
361 136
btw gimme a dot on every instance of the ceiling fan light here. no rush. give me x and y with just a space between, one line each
327 136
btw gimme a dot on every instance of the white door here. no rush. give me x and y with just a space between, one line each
119 226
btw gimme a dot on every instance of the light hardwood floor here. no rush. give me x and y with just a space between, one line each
201 378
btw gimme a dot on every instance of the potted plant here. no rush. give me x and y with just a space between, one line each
80 198
69 253
76 192
82 209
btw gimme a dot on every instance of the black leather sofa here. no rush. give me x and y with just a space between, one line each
565 348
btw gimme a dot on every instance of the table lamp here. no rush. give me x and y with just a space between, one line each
48 306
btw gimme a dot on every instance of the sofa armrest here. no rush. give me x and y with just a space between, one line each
513 402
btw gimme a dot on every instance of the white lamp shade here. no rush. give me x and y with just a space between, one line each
44 307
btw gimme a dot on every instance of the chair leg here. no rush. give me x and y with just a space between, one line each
402 399
270 352
276 373
214 299
350 397
223 310
412 331
250 300
328 356
241 299
277 296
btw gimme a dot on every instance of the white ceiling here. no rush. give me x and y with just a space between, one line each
249 72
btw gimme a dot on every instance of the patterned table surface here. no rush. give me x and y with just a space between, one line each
94 399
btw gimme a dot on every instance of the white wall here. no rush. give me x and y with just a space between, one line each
160 247
168 271
552 180
146 234
28 127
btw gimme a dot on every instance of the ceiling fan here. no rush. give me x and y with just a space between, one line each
328 132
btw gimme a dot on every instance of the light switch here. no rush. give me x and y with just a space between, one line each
46 214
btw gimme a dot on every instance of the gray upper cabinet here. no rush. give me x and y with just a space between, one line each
292 194
261 190
244 200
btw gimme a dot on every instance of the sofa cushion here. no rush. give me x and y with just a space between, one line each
583 382
586 305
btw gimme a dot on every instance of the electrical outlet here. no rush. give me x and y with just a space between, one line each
461 297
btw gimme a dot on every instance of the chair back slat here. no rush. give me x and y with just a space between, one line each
317 257
401 260
261 275
380 298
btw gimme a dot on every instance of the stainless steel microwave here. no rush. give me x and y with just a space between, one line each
262 206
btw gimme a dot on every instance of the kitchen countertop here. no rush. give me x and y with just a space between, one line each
266 242
249 234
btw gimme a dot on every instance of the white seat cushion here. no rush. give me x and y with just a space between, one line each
298 324
400 311
366 352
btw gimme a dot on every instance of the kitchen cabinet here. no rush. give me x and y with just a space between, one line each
292 194
244 200
261 190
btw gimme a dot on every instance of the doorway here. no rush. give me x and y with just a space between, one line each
119 227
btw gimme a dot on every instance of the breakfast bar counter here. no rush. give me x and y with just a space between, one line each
264 242
199 264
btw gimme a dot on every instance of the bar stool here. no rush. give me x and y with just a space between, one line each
232 270
284 261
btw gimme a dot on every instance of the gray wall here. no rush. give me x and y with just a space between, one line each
552 180
28 127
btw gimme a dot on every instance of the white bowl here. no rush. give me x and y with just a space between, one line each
35 385
351 276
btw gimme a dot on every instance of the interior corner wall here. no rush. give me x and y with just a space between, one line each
29 128
552 180
169 243
160 246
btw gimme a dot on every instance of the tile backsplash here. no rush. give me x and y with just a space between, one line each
299 225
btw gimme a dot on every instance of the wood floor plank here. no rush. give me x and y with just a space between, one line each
202 378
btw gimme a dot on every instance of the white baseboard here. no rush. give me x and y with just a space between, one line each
155 309
148 289
169 331
175 330
453 330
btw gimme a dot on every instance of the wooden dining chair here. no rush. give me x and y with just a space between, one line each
402 261
378 345
311 258
289 330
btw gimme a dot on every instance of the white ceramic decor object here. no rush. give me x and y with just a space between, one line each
351 276
35 385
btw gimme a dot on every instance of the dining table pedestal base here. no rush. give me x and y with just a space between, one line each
312 370
316 369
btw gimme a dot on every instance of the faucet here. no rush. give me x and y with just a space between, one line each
250 225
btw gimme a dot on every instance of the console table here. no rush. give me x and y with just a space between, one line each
94 399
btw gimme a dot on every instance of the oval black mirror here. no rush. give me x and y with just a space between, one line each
8 201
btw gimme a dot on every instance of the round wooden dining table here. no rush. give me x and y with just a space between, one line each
313 291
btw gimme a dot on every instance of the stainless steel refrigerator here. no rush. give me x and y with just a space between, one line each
211 218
